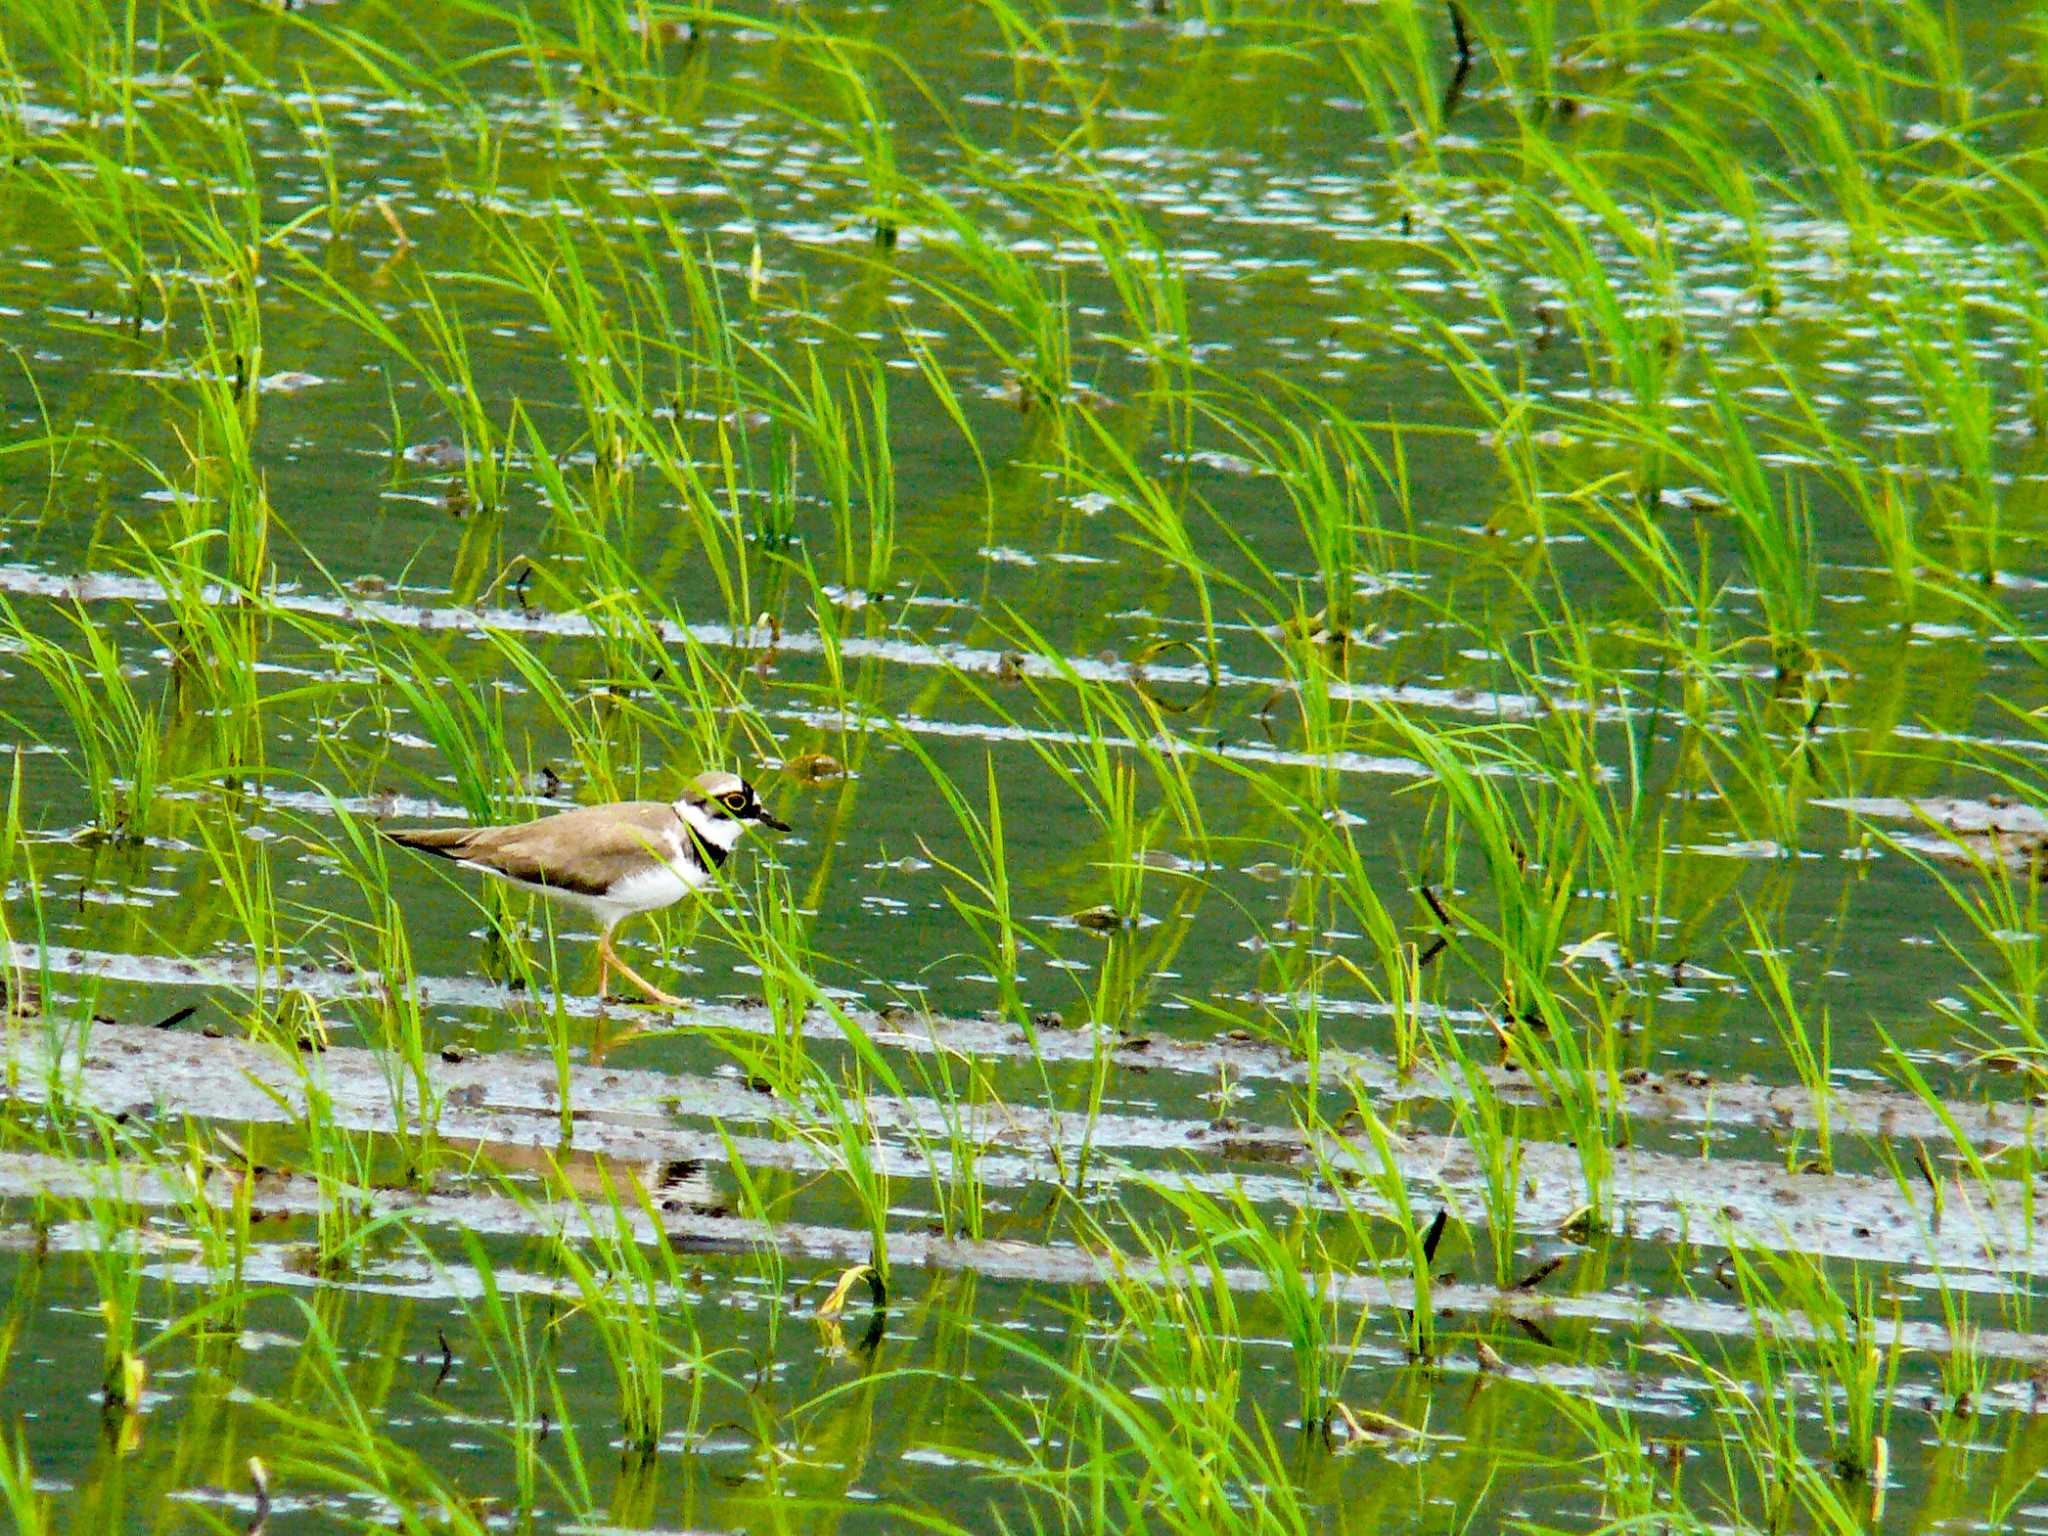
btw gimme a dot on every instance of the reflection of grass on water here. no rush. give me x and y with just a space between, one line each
1740 310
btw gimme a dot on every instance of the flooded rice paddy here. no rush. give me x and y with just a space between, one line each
1403 641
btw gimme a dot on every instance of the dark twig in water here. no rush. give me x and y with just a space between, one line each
1809 732
172 1021
1540 1273
872 1335
1435 1234
1442 941
1926 1165
878 1289
1436 906
1456 88
1459 32
261 1479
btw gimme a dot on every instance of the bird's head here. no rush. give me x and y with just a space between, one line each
728 797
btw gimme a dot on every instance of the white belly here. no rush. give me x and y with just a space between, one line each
659 885
647 890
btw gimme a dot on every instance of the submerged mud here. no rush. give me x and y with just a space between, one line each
647 1119
1681 1098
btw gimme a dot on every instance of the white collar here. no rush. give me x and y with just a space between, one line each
721 832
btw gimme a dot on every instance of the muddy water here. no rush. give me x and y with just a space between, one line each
1299 234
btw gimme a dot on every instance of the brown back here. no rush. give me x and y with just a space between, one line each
587 850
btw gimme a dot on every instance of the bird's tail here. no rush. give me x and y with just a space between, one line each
448 842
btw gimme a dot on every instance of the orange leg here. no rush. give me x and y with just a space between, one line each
612 962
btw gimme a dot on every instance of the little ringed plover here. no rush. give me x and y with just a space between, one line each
611 861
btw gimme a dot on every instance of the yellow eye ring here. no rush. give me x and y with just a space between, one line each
737 800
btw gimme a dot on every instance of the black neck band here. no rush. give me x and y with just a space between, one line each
709 854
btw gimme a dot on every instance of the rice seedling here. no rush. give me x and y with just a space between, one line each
327 1438
29 1506
339 1161
986 908
1491 1129
398 1021
1531 868
624 1294
117 745
117 1272
1851 1359
1807 1046
242 874
1010 307
1296 1266
1168 1451
1964 1372
1416 1241
1637 1487
967 1109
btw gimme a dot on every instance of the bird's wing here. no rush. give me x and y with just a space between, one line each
587 850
